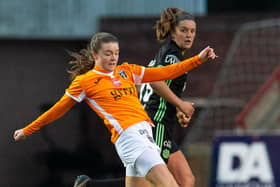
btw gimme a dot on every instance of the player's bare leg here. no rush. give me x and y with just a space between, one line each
180 169
137 182
160 176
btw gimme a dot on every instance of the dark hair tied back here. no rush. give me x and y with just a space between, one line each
169 18
83 60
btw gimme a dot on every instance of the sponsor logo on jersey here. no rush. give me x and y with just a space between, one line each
118 93
171 59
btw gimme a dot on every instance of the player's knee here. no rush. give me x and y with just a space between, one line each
166 182
170 182
188 181
191 180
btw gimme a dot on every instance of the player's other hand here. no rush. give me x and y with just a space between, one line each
187 108
184 113
19 135
183 120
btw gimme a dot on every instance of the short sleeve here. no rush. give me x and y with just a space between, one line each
75 90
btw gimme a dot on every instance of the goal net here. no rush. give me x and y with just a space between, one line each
252 58
263 111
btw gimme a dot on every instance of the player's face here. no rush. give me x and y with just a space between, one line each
107 57
184 34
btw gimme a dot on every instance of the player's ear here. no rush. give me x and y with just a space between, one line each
172 33
94 55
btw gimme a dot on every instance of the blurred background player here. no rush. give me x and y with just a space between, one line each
176 30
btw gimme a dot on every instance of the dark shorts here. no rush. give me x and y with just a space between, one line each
164 140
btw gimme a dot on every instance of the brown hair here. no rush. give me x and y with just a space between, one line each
83 60
169 18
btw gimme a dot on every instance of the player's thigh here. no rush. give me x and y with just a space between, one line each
137 182
179 167
159 175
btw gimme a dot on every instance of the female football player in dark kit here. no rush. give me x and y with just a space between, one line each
176 30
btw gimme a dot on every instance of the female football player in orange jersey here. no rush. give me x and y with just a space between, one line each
109 89
176 30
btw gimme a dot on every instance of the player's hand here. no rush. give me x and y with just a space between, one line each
187 108
183 120
184 113
19 135
207 53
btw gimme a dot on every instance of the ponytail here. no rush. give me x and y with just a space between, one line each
82 63
169 18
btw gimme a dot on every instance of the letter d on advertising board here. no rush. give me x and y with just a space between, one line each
244 161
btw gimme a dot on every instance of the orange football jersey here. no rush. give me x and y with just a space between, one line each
113 96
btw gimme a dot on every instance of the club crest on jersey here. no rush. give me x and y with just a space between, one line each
171 59
116 82
122 74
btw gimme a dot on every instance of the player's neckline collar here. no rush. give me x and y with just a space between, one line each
98 70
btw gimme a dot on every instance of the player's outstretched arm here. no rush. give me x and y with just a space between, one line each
55 112
170 72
